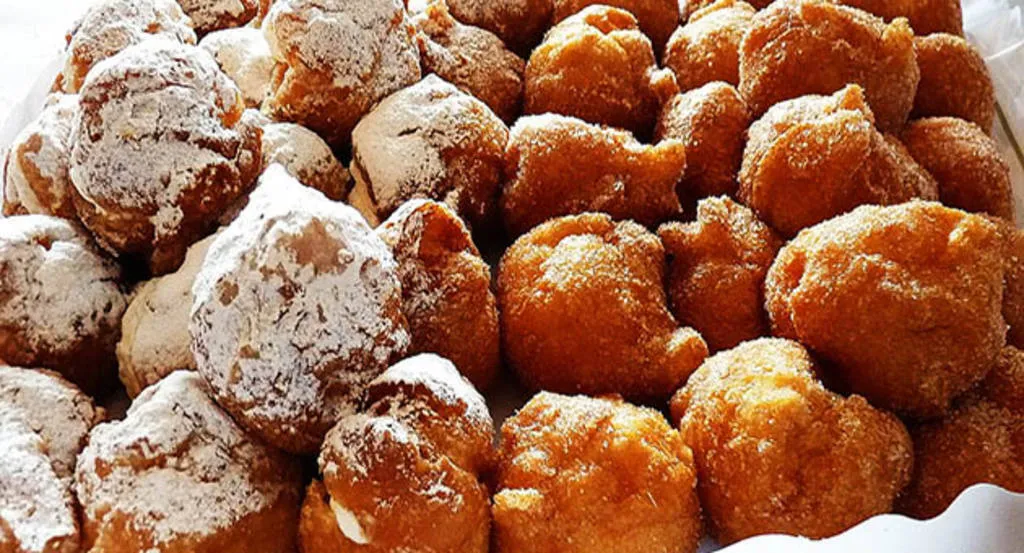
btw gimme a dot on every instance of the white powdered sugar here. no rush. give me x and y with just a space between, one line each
306 157
40 156
210 15
296 308
244 55
439 378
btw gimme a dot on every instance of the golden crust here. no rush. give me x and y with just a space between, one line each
657 18
706 49
1013 292
954 81
35 170
519 23
925 16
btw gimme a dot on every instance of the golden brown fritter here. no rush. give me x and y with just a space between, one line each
971 173
580 474
981 440
717 266
599 67
798 47
707 48
658 18
712 122
583 309
557 165
519 23
815 157
1013 292
776 452
688 7
954 81
925 16
903 302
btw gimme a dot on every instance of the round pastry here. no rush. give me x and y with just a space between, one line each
799 47
599 67
446 288
815 157
688 7
36 177
430 140
971 173
707 48
471 58
404 475
54 409
776 452
979 441
557 165
296 308
925 16
583 309
954 81
580 474
62 302
1013 292
336 59
902 302
160 150
154 330
212 15
110 26
244 55
717 266
657 18
711 121
519 23
306 157
178 475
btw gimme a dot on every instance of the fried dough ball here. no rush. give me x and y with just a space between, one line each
178 475
446 288
688 7
336 59
583 309
971 173
712 122
599 67
954 81
776 452
110 26
979 441
244 55
902 302
520 24
798 47
306 157
471 58
717 266
433 141
212 15
296 308
707 48
62 300
657 18
925 16
160 151
36 177
580 474
404 474
557 165
1013 292
815 157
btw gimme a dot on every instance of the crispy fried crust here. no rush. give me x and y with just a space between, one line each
707 48
925 16
954 81
657 18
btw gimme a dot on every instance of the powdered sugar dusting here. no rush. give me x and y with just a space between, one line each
306 157
439 377
245 56
40 156
209 15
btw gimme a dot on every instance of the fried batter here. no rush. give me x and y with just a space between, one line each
954 81
689 7
519 23
707 48
776 452
1013 292
925 16
658 18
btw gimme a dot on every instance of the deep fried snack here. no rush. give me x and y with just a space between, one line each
1013 291
110 26
178 475
405 474
430 140
798 47
62 300
707 48
244 55
557 165
580 474
777 452
519 23
306 157
160 150
336 59
954 81
599 67
971 173
212 15
657 18
297 307
471 58
903 302
583 309
925 16
36 177
717 266
981 440
689 7
446 288
815 157
712 122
